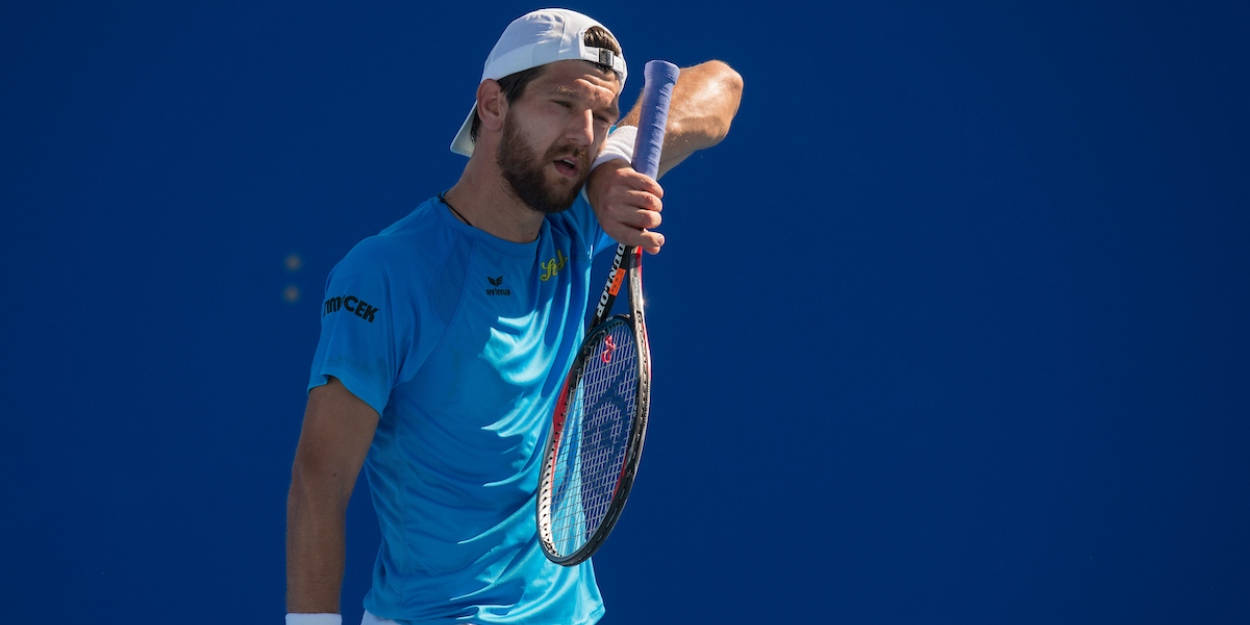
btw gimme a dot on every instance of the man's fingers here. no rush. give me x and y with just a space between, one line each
648 240
643 199
636 218
642 182
643 219
652 242
633 206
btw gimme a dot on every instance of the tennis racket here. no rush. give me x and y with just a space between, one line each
600 418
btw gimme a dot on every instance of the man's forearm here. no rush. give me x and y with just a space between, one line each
315 549
338 429
705 100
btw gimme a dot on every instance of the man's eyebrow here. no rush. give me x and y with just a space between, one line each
565 91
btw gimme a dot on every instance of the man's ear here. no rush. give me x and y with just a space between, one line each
492 104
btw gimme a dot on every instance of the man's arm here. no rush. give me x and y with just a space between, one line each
704 103
338 428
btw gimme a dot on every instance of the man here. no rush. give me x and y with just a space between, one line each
445 339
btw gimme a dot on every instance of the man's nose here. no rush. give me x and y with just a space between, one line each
582 128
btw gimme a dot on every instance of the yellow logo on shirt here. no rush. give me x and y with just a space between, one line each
553 266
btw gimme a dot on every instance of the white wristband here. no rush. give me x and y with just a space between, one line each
323 618
620 144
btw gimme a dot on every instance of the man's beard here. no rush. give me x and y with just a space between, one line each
525 171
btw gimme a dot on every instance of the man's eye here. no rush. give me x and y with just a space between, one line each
563 104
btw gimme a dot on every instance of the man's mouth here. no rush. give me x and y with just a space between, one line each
567 166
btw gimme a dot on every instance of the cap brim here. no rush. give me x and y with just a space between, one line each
463 143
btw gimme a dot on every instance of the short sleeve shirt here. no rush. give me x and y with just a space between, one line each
459 340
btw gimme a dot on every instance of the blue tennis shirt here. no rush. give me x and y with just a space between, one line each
460 340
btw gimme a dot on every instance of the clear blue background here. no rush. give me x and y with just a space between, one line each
950 329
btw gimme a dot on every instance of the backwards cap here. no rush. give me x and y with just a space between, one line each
538 38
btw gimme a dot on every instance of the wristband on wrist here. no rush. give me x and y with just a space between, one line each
620 144
323 618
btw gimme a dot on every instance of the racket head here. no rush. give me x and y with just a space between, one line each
596 441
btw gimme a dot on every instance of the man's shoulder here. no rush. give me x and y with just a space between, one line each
415 241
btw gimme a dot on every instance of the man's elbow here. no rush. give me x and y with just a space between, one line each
728 85
729 78
315 481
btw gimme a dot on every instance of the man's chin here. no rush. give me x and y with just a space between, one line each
557 204
560 194
551 199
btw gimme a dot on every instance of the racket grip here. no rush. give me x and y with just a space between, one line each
660 77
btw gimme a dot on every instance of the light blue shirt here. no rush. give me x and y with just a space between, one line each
460 341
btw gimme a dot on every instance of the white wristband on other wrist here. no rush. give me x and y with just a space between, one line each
620 144
323 618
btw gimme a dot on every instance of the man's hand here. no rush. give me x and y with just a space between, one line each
627 204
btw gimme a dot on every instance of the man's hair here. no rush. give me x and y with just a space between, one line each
513 85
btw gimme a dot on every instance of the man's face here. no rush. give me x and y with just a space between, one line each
553 132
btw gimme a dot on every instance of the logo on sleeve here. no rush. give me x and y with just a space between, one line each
351 304
497 283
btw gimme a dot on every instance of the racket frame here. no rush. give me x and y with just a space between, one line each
627 268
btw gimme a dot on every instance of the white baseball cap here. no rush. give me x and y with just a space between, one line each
538 38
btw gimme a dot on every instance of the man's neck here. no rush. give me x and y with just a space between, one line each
487 201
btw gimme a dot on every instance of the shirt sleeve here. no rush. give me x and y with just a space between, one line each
364 333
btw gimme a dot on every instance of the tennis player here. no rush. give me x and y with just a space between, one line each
445 338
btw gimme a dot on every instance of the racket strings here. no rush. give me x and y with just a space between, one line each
596 440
